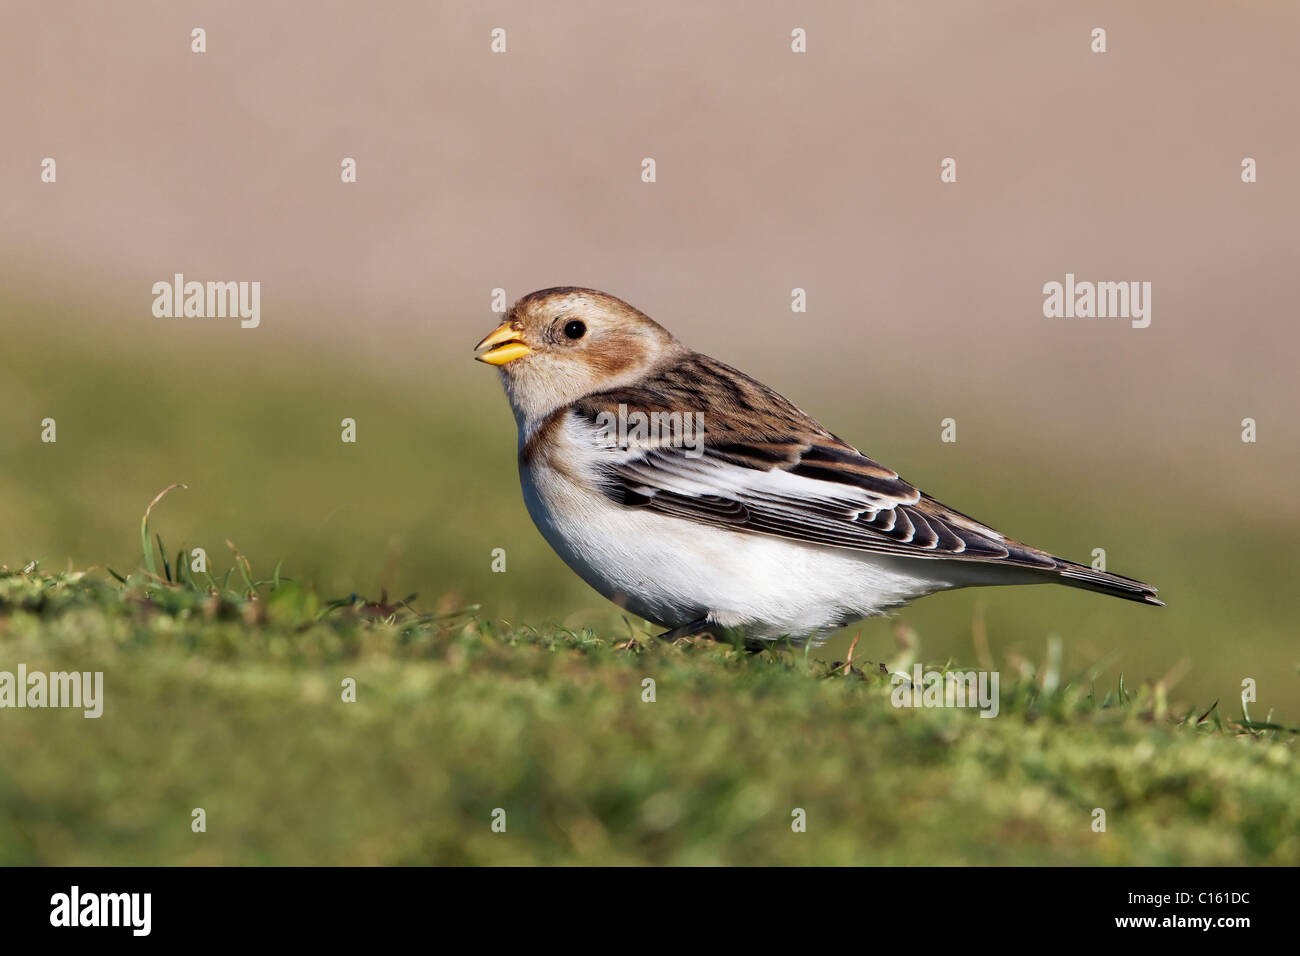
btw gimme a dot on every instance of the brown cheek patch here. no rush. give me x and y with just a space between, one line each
616 354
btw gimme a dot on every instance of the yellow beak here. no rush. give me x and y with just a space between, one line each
503 345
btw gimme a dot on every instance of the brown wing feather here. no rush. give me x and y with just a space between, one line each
856 503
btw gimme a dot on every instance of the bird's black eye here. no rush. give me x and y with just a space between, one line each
575 329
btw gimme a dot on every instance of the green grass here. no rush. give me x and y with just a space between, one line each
225 692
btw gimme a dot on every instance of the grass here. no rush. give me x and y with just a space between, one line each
225 691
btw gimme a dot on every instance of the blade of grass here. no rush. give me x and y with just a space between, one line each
245 569
144 528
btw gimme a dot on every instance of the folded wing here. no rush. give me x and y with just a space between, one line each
764 467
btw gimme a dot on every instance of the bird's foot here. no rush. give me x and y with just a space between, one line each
690 629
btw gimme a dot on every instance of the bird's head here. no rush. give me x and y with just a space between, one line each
558 345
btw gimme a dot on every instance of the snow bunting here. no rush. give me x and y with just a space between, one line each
700 499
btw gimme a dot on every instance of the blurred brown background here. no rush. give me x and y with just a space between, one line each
775 170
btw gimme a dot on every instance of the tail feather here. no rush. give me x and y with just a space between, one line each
1103 582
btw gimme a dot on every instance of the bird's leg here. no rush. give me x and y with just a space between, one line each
716 632
689 629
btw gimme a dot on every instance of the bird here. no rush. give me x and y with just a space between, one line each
706 503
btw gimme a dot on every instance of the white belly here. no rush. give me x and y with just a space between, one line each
672 571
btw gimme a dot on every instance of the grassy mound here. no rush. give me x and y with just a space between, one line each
227 693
